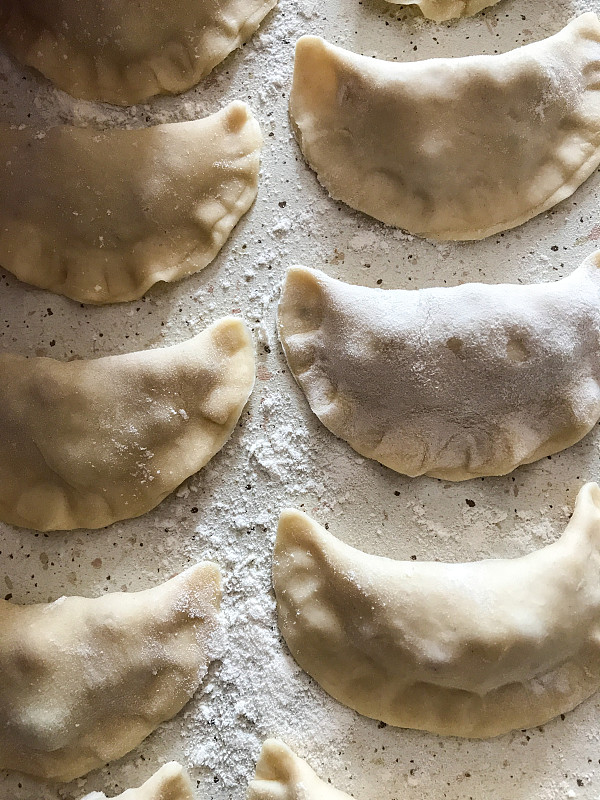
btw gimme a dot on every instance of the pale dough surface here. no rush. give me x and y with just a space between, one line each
170 782
101 216
441 10
282 775
288 456
454 148
475 650
86 443
86 680
456 382
124 52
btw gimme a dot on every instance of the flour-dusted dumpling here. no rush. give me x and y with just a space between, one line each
84 681
124 52
281 775
455 148
171 782
101 216
441 10
87 443
472 650
456 382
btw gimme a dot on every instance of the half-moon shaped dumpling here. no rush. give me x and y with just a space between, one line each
456 382
453 148
121 52
473 650
101 216
87 443
84 681
281 775
442 10
171 782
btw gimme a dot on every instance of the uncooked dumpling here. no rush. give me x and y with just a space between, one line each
171 782
84 681
281 775
457 148
87 443
122 52
102 216
441 10
473 650
456 382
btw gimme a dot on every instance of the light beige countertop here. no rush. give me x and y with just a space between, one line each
280 455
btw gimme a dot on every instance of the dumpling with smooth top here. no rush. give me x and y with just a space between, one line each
87 443
452 148
453 382
101 216
475 650
84 681
124 52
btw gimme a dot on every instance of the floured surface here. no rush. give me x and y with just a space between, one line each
282 456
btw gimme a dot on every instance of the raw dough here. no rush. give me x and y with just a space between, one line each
442 10
102 216
171 782
473 650
281 775
87 443
450 382
84 681
124 52
453 148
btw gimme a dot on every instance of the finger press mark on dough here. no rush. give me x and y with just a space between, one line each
454 344
516 350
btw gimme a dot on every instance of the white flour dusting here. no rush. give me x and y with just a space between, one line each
281 456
